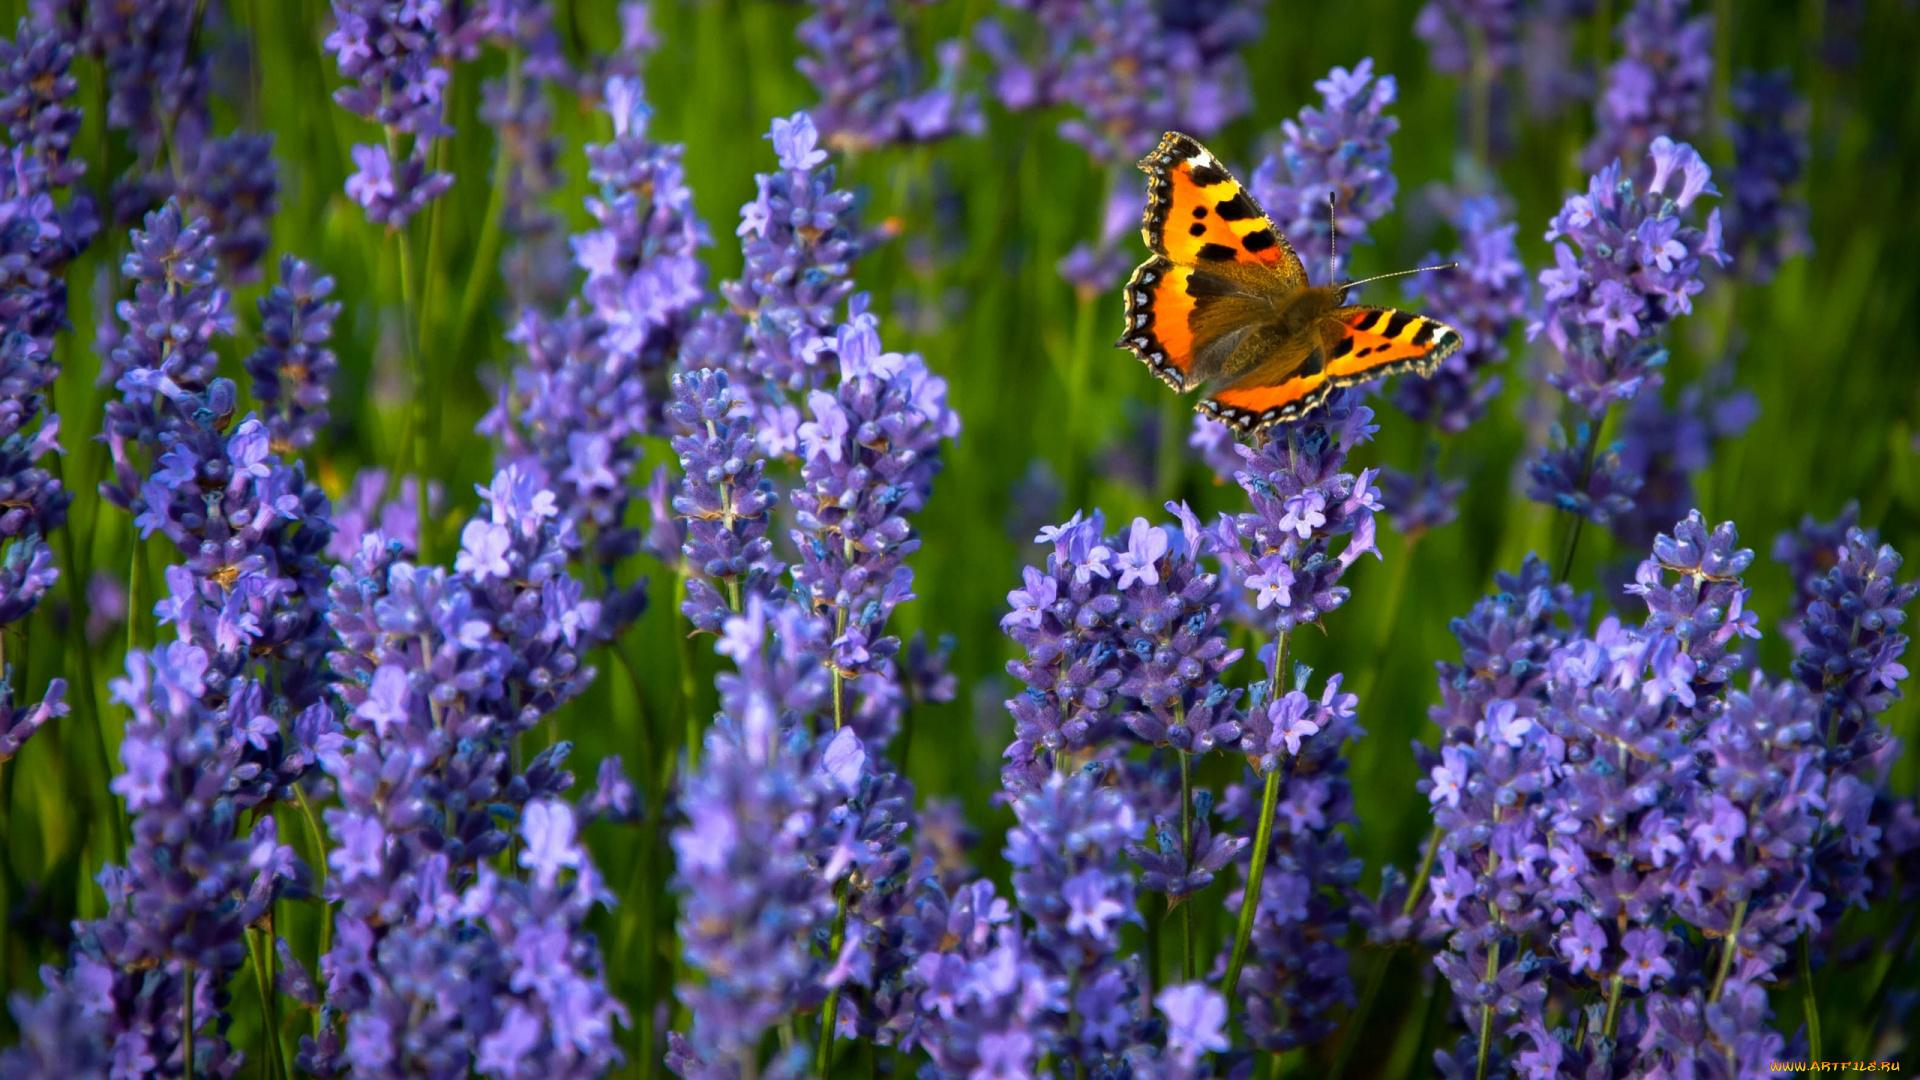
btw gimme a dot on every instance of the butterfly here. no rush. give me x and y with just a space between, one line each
1224 299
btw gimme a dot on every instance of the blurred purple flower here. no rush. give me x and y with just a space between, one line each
1659 88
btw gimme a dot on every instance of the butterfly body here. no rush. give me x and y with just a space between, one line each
1224 299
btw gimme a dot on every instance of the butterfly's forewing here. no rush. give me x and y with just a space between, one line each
1198 214
1200 223
1356 345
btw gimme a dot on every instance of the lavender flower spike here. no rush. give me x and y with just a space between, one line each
860 61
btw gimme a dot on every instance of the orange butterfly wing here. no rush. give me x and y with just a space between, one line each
1198 217
1357 345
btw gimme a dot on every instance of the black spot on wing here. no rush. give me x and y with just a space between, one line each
1342 347
1368 321
1424 334
1199 212
1314 364
1216 253
1259 240
1201 284
1198 229
1210 175
1238 208
1397 322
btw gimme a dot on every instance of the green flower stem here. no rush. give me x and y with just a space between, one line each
1186 850
75 581
186 1026
319 872
261 953
1586 474
1733 946
1350 1038
1809 1002
1262 840
830 1012
688 690
486 253
1614 994
1486 1012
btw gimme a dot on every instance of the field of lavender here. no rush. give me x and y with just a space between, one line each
552 538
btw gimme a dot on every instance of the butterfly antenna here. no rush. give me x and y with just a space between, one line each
1399 273
1333 234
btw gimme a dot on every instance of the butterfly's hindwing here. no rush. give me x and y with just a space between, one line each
1159 320
1357 345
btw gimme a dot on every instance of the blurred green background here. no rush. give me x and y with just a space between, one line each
1828 348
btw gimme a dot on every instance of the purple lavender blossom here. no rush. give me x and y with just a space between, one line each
1297 974
862 64
1660 86
176 311
870 453
389 53
1639 268
982 992
42 229
1454 29
1851 658
36 84
293 366
799 238
178 911
1065 617
1074 888
590 383
1482 297
439 673
1765 225
17 725
1301 503
725 501
1338 149
746 857
1594 806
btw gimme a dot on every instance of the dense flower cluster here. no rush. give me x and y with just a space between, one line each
389 52
1615 815
1660 86
195 880
1131 69
725 501
589 384
294 366
869 456
440 672
1339 151
1639 267
249 526
43 227
1766 225
799 238
871 94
